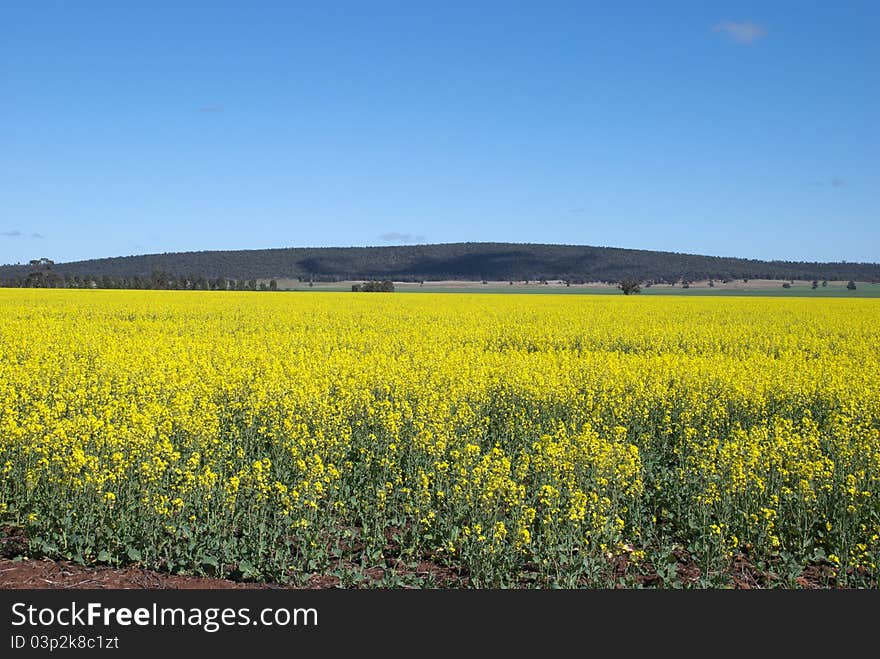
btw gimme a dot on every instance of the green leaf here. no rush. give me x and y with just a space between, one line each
248 570
134 554
48 547
104 556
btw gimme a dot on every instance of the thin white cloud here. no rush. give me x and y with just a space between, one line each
745 33
395 237
38 236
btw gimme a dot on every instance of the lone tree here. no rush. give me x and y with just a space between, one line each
851 285
629 286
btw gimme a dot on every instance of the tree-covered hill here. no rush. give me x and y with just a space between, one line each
461 261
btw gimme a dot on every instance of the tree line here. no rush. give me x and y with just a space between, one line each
44 276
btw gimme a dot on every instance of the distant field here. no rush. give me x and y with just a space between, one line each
756 287
798 289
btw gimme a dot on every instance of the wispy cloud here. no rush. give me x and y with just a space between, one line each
15 233
579 209
395 237
211 109
834 182
745 33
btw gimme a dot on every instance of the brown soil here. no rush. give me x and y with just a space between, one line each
44 573
32 573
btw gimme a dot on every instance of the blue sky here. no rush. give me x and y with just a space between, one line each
739 129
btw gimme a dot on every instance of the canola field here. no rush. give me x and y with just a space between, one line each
521 441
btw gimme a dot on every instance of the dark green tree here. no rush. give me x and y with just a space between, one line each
629 286
385 286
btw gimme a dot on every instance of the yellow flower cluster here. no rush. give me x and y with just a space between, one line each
515 437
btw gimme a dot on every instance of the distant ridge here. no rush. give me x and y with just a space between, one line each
453 261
